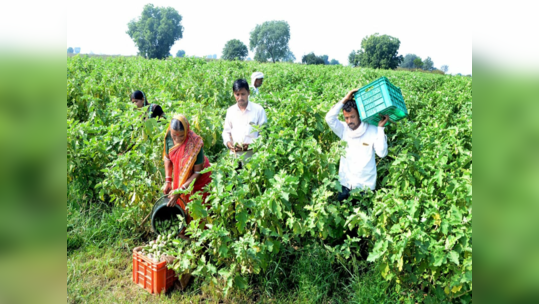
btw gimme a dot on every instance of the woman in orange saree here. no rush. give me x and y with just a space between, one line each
184 158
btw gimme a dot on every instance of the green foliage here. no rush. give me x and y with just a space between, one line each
334 62
289 57
412 61
70 50
313 59
325 58
155 31
408 61
428 65
418 63
414 70
235 50
377 52
444 68
417 227
269 41
353 59
180 53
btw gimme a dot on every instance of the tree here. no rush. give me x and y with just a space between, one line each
428 64
418 63
270 41
353 59
70 50
325 58
289 57
408 61
155 31
312 59
180 54
444 68
377 52
334 62
235 49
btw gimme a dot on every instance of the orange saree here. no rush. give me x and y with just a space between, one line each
183 157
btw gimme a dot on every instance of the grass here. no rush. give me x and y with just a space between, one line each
422 71
99 269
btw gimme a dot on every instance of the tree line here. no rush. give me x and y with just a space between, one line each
158 28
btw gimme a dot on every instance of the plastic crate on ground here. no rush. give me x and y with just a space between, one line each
379 98
152 276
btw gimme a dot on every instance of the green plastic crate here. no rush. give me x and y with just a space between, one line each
380 98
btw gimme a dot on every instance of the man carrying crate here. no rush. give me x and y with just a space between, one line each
358 167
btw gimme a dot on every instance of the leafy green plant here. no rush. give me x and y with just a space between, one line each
417 226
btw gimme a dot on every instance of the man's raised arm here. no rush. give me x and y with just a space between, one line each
331 117
380 144
332 120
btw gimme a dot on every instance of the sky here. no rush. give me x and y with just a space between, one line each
332 28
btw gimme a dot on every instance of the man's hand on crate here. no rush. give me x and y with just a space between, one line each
382 122
349 96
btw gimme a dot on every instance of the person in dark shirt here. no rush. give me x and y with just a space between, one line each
154 110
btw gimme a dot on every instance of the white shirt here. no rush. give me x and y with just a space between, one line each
358 167
238 126
254 91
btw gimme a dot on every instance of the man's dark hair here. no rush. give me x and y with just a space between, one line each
349 105
176 125
240 84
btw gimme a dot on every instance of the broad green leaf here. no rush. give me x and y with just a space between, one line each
240 282
453 257
241 220
197 210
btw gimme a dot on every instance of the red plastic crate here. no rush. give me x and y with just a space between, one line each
154 277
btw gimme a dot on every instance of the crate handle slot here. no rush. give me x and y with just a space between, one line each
389 118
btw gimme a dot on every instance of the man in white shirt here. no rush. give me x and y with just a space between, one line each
256 82
358 167
240 119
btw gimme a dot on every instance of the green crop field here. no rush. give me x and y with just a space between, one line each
277 232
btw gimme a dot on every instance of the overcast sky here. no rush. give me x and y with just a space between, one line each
332 28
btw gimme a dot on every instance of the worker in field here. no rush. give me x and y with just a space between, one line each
238 131
139 99
183 155
357 168
256 82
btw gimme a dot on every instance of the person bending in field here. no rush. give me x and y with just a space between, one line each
238 131
358 167
256 82
139 99
183 155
